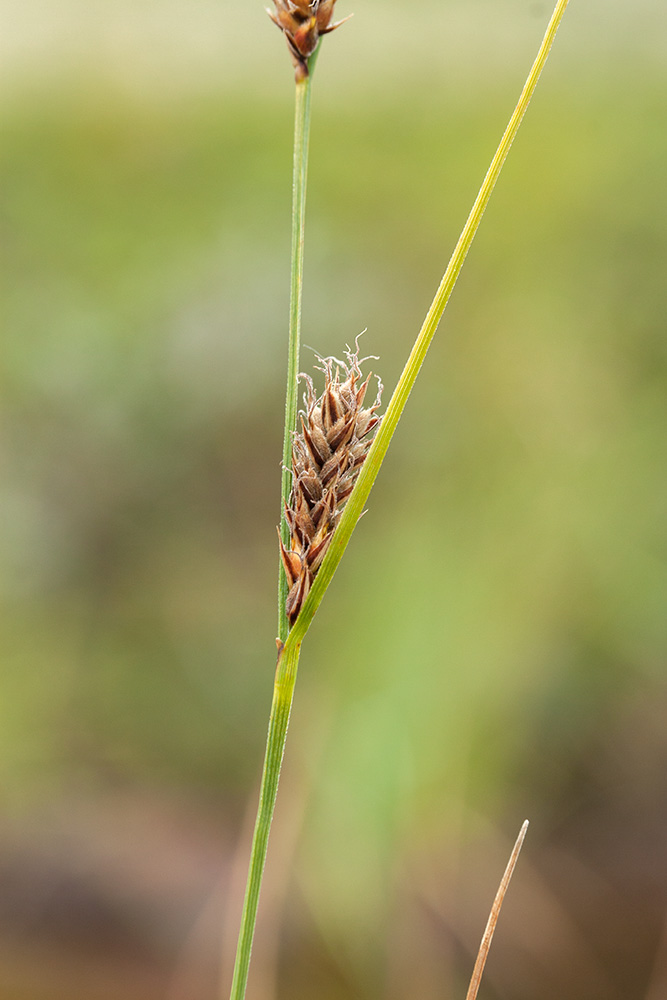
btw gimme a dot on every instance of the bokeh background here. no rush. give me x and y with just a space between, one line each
493 646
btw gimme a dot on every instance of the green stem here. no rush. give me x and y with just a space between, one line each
283 692
359 496
299 177
288 661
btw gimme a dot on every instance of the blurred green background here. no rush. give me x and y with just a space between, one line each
493 646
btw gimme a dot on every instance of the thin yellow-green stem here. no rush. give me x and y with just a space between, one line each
357 500
283 693
299 179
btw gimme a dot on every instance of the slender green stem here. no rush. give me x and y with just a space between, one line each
299 178
357 500
288 661
283 692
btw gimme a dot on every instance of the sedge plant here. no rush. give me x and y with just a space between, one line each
332 458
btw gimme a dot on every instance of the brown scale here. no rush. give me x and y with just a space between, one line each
327 454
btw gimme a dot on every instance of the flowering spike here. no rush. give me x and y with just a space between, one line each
303 22
335 437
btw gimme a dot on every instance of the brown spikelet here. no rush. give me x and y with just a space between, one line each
303 22
327 454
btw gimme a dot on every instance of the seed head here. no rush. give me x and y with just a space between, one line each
327 455
302 22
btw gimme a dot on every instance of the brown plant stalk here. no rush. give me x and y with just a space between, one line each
487 937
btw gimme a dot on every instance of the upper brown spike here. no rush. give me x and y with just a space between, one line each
303 22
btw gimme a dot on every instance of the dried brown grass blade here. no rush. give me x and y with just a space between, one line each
657 987
485 946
